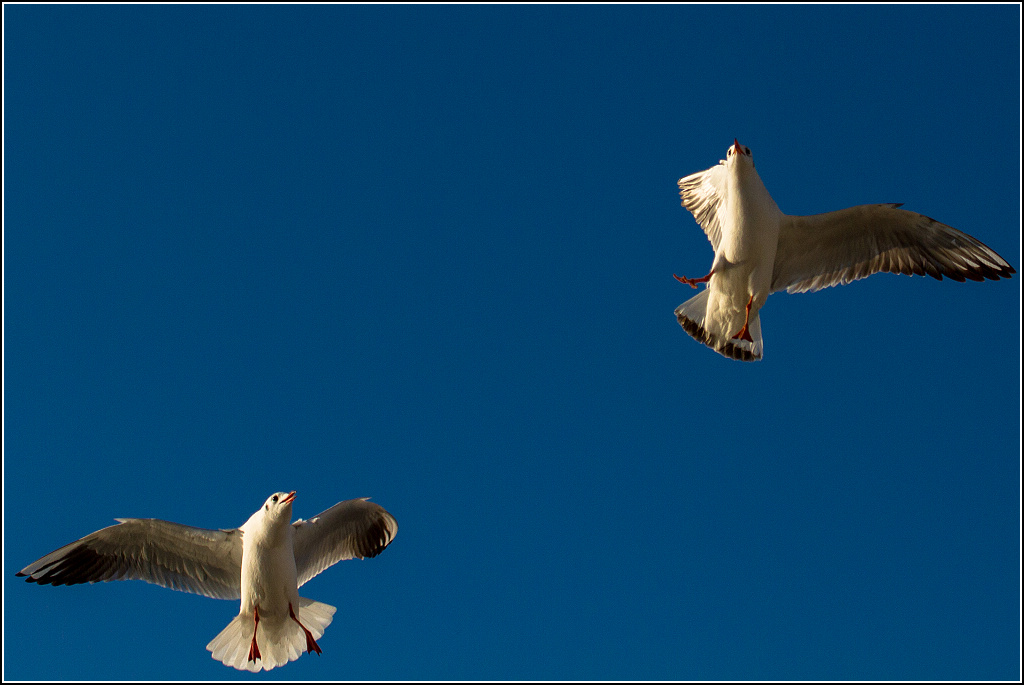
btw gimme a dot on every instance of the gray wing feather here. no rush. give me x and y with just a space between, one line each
197 560
702 194
835 248
350 529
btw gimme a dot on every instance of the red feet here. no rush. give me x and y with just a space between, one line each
743 333
692 282
254 650
311 645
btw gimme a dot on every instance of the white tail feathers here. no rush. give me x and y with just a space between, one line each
715 331
278 638
694 309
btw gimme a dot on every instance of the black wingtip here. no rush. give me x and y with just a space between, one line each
375 541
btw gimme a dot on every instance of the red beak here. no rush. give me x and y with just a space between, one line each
288 498
736 146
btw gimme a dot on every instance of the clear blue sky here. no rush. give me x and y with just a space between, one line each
425 254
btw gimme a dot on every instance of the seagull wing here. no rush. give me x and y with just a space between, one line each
205 562
349 529
702 194
823 250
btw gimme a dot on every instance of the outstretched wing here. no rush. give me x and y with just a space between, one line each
349 529
205 562
823 250
702 194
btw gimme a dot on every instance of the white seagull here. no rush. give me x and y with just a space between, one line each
263 562
759 250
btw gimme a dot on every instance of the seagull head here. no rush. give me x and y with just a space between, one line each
272 518
737 152
279 506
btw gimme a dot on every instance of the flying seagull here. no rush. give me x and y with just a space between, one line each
263 562
759 250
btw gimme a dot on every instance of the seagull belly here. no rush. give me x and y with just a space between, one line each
744 262
269 580
727 305
743 268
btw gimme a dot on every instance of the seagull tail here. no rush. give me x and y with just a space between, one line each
316 616
279 639
231 646
692 316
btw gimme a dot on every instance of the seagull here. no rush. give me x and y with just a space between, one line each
759 251
263 562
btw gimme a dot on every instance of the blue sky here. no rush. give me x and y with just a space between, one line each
425 254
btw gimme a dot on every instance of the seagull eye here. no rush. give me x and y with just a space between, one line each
274 498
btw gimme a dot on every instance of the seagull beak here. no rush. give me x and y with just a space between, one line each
736 147
288 498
